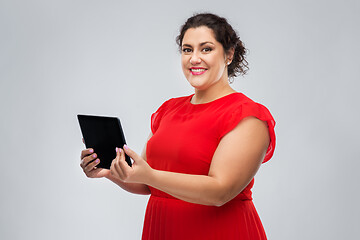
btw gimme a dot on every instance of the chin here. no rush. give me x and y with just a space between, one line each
199 86
200 83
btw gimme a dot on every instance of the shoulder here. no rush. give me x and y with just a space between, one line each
171 102
252 115
247 106
235 103
165 108
181 99
239 98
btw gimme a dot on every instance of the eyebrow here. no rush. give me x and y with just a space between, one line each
201 44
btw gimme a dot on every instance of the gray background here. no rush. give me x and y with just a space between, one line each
61 58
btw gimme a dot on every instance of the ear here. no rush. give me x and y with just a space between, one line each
230 55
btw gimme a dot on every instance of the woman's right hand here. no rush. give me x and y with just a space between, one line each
88 163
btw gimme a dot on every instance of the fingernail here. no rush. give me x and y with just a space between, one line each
91 150
119 150
97 160
126 147
94 155
116 149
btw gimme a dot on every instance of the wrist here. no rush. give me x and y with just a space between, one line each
150 177
109 176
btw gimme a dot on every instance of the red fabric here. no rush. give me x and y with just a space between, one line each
185 137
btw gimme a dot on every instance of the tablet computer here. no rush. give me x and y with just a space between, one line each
103 134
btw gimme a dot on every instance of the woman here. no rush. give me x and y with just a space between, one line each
204 149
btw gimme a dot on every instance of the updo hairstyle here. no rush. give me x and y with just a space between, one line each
224 34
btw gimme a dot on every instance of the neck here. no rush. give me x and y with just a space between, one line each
212 93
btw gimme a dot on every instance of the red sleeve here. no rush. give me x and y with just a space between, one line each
251 109
157 116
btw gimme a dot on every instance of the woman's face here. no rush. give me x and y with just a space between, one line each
203 59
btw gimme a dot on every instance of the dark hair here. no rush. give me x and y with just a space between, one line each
224 34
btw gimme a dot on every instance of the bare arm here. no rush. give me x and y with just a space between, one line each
234 164
137 188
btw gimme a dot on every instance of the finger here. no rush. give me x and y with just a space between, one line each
86 152
118 153
86 160
122 163
92 165
118 162
117 156
131 153
93 173
114 169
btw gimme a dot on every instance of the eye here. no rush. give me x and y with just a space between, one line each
207 49
186 50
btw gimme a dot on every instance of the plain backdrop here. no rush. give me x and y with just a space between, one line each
119 58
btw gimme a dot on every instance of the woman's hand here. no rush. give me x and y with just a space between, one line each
138 173
88 163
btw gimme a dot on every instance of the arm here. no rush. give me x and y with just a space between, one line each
136 188
235 162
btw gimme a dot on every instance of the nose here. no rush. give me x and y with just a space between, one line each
195 59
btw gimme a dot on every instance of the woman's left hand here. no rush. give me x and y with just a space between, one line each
139 172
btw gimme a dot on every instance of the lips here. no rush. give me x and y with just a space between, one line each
197 71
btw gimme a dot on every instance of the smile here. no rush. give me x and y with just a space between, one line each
197 71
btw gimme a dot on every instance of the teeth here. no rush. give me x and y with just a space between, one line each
197 70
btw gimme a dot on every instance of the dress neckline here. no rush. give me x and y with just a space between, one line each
211 102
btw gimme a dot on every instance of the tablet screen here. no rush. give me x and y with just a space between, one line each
103 134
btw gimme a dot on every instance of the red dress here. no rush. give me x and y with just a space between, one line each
185 137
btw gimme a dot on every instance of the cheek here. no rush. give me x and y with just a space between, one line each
218 65
184 65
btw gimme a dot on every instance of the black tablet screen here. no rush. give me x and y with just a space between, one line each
103 134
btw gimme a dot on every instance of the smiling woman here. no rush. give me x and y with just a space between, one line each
203 150
204 60
224 34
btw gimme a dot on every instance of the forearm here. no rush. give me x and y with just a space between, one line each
200 189
136 188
